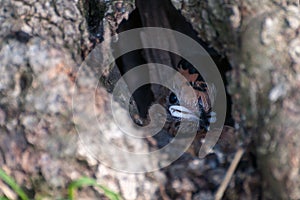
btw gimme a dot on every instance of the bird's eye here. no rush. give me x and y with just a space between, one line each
172 98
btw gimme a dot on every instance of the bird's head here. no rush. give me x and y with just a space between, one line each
183 106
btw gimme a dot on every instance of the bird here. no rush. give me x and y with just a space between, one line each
183 106
161 13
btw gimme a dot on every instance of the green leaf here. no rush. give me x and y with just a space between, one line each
86 181
11 182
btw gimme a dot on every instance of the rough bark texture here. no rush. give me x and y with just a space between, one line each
41 47
261 39
43 44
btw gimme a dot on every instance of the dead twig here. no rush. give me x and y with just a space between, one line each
229 173
9 193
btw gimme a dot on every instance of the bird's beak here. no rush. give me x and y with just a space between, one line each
185 113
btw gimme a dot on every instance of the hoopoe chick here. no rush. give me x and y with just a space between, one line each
182 106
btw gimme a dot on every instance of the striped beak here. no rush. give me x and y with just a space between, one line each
185 113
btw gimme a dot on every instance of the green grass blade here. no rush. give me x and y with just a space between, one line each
85 181
10 181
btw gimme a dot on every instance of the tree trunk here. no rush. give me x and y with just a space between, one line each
41 48
261 39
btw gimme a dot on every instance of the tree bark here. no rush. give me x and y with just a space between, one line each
42 46
261 39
